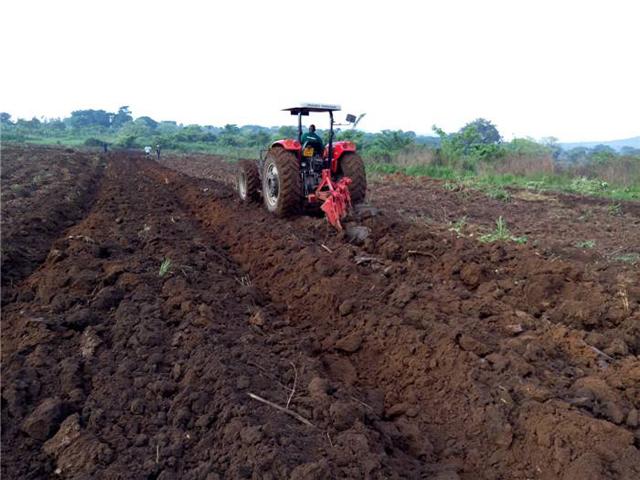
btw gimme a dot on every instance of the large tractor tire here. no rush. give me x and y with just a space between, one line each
281 182
353 167
248 181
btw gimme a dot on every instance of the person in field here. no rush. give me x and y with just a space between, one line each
312 139
158 151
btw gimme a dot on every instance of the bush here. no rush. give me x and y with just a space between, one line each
93 142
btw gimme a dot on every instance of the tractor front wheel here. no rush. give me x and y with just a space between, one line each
248 181
281 183
353 167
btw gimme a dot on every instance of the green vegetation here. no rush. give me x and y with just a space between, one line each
164 267
501 234
475 157
615 209
458 226
631 258
587 244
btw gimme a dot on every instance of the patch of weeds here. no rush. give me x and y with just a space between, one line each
458 226
451 186
501 234
587 186
615 209
586 244
164 267
632 258
534 185
498 193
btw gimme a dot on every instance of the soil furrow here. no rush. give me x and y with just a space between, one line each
44 192
116 368
486 349
413 350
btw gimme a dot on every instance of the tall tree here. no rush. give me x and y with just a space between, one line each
89 118
123 116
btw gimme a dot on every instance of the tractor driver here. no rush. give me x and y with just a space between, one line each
312 139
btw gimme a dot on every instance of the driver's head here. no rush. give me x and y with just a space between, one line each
312 128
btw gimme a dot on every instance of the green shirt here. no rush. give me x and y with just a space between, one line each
313 138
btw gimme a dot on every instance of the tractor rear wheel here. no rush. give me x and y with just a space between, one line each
281 183
248 181
353 167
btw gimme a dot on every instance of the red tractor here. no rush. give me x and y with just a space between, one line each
292 176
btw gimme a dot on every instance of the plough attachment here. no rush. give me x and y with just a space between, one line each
336 197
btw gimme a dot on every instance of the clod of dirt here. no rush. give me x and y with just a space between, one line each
613 412
137 406
351 343
470 344
390 249
325 268
588 466
632 418
89 342
79 319
82 456
397 410
357 234
251 435
346 307
44 419
56 255
243 382
446 475
533 392
344 414
68 432
252 293
362 211
318 387
595 388
341 368
416 441
403 295
108 298
514 328
617 347
258 318
497 361
471 275
311 471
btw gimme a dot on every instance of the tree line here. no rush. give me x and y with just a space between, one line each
476 142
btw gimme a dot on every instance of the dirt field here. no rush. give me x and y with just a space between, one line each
43 191
147 338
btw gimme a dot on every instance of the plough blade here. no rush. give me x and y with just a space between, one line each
338 202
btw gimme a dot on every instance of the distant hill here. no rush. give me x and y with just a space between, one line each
617 145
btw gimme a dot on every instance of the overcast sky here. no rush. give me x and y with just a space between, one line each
534 68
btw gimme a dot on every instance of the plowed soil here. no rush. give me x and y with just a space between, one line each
43 191
173 332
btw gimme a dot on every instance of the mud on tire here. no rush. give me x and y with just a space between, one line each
248 181
353 167
281 183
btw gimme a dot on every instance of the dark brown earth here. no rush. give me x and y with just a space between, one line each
413 353
43 191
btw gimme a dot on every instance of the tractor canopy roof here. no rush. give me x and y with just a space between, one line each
305 108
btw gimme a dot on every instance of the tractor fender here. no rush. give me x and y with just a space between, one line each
288 144
338 149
